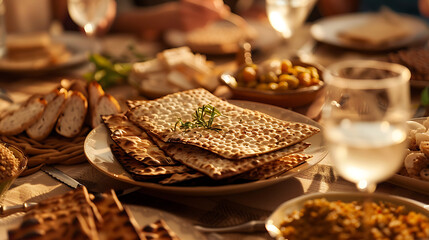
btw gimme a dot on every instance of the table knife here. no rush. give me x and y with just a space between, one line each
61 176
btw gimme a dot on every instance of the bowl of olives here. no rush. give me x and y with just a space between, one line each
279 82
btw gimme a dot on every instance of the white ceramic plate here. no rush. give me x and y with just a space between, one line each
143 216
274 221
76 43
98 152
411 183
326 30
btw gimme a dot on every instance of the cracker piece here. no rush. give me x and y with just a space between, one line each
135 142
181 177
159 230
52 218
118 222
143 172
244 133
218 167
275 167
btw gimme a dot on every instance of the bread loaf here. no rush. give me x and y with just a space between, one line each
106 105
43 127
22 118
72 118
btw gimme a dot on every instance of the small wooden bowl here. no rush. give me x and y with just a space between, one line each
19 153
286 98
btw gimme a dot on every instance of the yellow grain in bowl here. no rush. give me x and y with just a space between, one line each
12 163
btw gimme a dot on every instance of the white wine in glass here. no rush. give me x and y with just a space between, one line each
88 13
365 113
287 15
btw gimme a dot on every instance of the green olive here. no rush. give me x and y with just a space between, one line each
304 79
313 71
262 86
252 84
272 86
249 74
283 86
269 77
291 80
286 65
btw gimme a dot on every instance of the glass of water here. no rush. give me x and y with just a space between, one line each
88 13
365 113
287 15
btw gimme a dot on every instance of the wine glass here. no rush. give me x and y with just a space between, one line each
88 13
365 113
286 16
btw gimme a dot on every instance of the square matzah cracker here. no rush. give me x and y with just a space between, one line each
244 133
218 167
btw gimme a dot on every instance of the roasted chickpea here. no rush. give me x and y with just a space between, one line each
283 86
252 84
286 65
291 80
304 79
249 74
269 77
315 81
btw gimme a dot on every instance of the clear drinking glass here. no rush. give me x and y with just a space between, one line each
287 15
88 13
365 113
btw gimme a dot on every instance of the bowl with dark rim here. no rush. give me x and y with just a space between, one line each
5 183
283 98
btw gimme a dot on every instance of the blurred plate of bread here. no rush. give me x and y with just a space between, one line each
41 52
173 70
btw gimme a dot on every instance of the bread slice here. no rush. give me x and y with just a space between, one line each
106 105
72 118
95 91
43 127
22 118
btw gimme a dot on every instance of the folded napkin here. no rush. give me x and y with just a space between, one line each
381 28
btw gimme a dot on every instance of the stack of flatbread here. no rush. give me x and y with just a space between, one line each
80 215
33 51
247 145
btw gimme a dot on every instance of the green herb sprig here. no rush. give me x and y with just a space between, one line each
203 117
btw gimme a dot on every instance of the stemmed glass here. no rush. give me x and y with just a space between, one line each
286 16
365 113
88 13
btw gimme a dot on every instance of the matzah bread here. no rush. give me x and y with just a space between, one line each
141 172
135 142
244 133
159 230
275 167
217 167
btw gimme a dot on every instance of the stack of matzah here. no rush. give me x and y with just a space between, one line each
80 215
249 145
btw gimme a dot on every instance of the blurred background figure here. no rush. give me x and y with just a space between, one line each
414 7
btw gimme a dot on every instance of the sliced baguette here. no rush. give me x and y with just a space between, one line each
43 127
95 91
72 118
81 86
22 118
106 105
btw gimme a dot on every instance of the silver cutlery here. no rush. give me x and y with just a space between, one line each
5 96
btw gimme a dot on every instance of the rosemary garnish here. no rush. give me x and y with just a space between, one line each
199 119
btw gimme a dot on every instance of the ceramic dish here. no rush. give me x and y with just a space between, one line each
327 29
286 98
274 221
7 182
99 155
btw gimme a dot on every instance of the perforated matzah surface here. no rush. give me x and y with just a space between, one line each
218 167
245 133
135 142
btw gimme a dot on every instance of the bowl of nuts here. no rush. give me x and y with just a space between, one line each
279 82
13 162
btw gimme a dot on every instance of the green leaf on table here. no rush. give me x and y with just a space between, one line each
106 72
424 97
